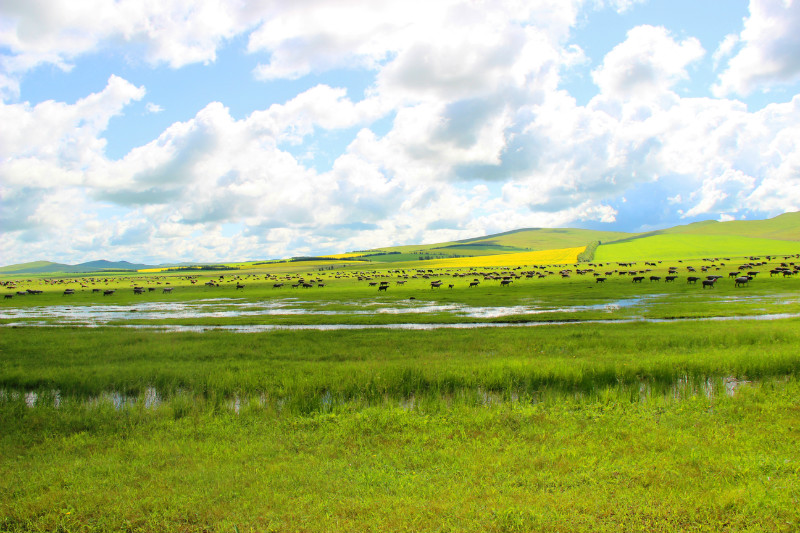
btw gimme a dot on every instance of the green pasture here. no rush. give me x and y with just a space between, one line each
785 227
667 247
344 299
655 427
659 420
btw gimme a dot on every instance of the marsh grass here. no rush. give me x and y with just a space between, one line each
696 463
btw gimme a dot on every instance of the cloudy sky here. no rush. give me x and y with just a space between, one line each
206 130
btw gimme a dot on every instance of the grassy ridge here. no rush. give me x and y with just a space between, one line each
690 246
784 227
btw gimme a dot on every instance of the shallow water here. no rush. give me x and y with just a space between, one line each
95 315
259 328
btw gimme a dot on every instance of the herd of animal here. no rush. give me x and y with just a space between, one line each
743 274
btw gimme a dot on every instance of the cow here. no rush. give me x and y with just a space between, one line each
741 280
655 278
474 283
67 292
239 286
638 279
277 285
670 278
108 292
166 290
506 282
600 280
138 290
8 296
709 283
383 288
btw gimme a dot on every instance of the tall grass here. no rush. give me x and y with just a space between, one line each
305 371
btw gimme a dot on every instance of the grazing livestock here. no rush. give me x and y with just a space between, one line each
655 278
8 296
166 289
742 280
138 290
638 279
239 286
600 280
436 284
670 278
68 292
709 283
474 283
383 288
505 282
277 285
108 292
692 279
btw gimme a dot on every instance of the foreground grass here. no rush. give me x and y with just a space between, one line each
577 428
606 464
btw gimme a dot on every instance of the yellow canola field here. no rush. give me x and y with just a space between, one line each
559 256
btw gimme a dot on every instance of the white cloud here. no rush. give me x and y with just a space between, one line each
769 54
150 107
647 63
482 138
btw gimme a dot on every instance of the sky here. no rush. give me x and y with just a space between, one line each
209 130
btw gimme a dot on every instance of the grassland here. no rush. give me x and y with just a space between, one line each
691 246
659 418
592 428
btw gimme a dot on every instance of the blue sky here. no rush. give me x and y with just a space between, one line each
206 131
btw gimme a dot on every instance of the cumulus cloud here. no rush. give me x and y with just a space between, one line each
477 136
768 55
647 63
173 32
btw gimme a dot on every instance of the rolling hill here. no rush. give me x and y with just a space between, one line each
778 235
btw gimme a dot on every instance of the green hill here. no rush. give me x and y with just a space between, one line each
785 227
779 236
521 240
33 266
689 246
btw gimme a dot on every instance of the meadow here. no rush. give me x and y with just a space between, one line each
567 404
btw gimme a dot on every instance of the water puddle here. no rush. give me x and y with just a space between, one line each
261 328
96 315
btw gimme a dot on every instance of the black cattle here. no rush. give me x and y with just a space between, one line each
383 288
670 278
742 280
638 279
655 278
600 280
709 283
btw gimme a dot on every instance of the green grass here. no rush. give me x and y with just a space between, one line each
690 246
784 227
581 427
567 429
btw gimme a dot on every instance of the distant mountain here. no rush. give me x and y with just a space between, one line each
45 267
